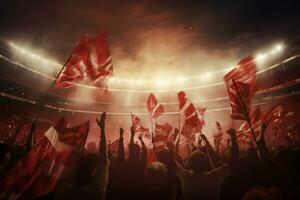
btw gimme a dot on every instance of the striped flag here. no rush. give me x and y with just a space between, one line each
241 87
74 70
137 125
162 133
38 172
154 108
255 120
89 63
194 118
101 67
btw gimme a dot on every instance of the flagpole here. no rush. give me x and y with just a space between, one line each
53 84
44 98
245 110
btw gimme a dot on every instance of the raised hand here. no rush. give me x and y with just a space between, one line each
231 132
101 122
202 136
132 131
140 137
121 132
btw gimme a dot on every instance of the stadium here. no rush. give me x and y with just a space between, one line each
166 91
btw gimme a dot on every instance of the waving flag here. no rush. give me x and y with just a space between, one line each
101 67
38 172
89 63
181 99
162 133
137 125
241 87
154 108
256 120
194 118
74 70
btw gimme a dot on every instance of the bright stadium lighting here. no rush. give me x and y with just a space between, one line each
279 47
161 83
32 55
180 79
206 77
261 57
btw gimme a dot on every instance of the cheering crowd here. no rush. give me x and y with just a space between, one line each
156 173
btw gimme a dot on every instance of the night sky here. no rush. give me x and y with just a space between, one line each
156 37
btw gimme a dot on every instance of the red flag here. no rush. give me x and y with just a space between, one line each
101 67
181 99
114 146
74 69
91 57
275 116
137 125
154 108
38 172
162 133
190 129
255 120
241 87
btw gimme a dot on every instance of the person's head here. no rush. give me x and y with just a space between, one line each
91 147
165 157
198 162
256 194
86 169
155 175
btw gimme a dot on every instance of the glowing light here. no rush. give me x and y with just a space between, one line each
206 77
261 57
274 51
161 83
111 80
181 79
32 55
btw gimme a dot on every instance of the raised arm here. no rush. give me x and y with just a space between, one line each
144 151
234 146
211 152
131 143
262 147
103 144
121 152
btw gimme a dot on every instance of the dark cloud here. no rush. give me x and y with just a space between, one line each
153 36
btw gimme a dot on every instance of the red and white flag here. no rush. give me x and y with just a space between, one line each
38 172
181 99
154 108
74 70
89 63
194 118
256 120
189 129
137 125
101 67
241 87
162 133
